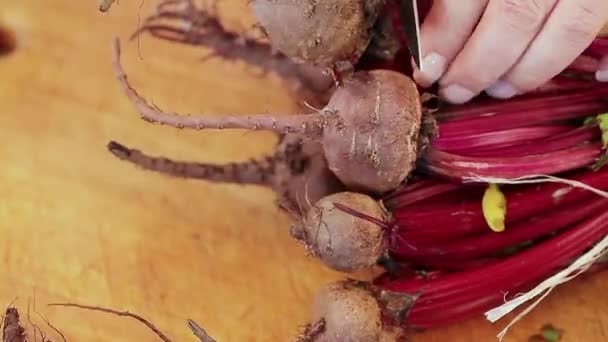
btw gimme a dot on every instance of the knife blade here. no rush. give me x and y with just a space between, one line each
411 26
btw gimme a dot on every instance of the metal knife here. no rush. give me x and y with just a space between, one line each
411 26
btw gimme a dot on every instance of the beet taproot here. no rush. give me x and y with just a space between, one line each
297 171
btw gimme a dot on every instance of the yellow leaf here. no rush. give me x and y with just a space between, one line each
494 207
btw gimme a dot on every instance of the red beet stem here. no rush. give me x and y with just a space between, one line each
361 215
550 254
497 138
487 243
473 307
424 7
584 64
411 186
544 256
459 167
447 265
598 48
444 297
522 117
524 103
463 308
393 9
422 194
429 223
561 141
561 84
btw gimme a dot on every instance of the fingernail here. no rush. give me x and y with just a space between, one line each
456 94
601 75
432 68
502 90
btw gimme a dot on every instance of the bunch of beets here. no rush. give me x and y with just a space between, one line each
458 205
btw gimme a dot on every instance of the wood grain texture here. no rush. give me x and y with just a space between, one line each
77 225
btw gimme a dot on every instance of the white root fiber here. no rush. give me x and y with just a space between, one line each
575 269
535 179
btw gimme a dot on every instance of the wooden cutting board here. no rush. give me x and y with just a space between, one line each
77 225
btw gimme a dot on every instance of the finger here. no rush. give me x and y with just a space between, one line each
602 72
443 33
571 27
505 31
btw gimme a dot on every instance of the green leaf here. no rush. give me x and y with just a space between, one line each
603 122
600 163
551 334
590 121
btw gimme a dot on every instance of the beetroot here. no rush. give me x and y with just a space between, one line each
368 130
190 23
451 297
325 33
352 310
340 240
350 313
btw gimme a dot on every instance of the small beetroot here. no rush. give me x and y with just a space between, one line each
350 310
350 313
341 240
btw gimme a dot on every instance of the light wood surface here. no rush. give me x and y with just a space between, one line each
77 225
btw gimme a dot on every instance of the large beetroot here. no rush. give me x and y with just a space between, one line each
372 133
368 130
319 32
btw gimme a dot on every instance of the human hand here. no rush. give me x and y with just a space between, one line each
505 47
